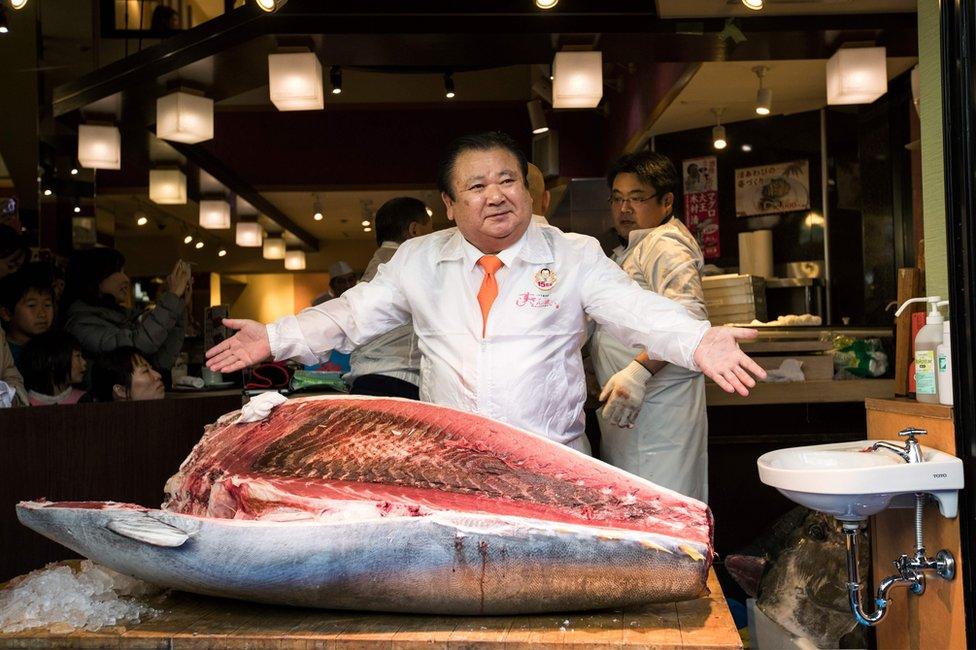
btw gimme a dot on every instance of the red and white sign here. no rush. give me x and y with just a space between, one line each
701 203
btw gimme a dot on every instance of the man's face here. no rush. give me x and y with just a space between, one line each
32 315
635 205
342 283
492 207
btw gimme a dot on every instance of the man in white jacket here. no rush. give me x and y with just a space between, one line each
499 305
654 422
389 365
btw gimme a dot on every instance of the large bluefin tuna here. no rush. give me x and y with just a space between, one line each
393 505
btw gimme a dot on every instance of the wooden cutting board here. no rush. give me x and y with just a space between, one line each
191 621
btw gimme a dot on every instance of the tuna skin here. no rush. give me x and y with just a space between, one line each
394 505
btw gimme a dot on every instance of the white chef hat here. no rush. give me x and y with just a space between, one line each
339 268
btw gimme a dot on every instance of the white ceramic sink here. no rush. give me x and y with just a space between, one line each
843 480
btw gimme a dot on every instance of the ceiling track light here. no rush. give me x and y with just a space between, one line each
335 76
719 140
270 6
317 209
753 5
4 25
546 4
18 4
537 117
764 96
449 85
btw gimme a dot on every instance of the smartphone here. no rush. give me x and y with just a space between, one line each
214 330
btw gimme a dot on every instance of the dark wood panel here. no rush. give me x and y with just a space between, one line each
121 452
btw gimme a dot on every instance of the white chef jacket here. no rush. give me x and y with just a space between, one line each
669 442
527 369
393 354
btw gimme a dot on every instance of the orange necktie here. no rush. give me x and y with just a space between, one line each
489 287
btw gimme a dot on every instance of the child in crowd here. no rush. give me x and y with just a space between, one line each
53 364
26 309
124 375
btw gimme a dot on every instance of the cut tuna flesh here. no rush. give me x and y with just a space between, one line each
395 505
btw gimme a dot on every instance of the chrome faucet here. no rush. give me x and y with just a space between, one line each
911 452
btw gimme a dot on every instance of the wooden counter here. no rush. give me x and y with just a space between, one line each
191 621
804 392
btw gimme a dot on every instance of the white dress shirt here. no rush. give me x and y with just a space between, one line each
393 354
527 369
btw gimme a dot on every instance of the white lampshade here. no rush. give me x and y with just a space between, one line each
167 186
99 147
857 75
295 80
214 214
274 248
577 79
249 234
182 117
295 260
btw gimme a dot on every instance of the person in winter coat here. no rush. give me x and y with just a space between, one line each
95 310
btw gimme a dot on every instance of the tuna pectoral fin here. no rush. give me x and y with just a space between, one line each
143 528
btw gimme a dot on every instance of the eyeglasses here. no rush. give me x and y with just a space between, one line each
618 201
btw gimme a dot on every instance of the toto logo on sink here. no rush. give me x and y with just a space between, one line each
943 475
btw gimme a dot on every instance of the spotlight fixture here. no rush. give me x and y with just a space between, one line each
449 85
764 96
199 245
77 209
48 191
142 220
718 131
537 117
546 4
366 223
754 5
4 27
335 76
74 171
367 229
317 207
188 239
221 252
270 6
318 216
18 4
747 148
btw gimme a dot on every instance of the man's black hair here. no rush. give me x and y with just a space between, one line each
394 217
477 142
47 359
650 167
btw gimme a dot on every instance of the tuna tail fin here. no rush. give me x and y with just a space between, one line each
144 528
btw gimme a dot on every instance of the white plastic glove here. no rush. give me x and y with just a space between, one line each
624 394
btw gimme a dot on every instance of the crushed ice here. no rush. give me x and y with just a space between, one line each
60 599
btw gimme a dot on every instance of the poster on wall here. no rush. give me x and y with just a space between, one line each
700 184
769 189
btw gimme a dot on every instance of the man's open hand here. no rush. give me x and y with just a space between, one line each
248 347
719 357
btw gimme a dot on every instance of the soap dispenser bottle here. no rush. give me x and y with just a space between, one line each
944 361
927 342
